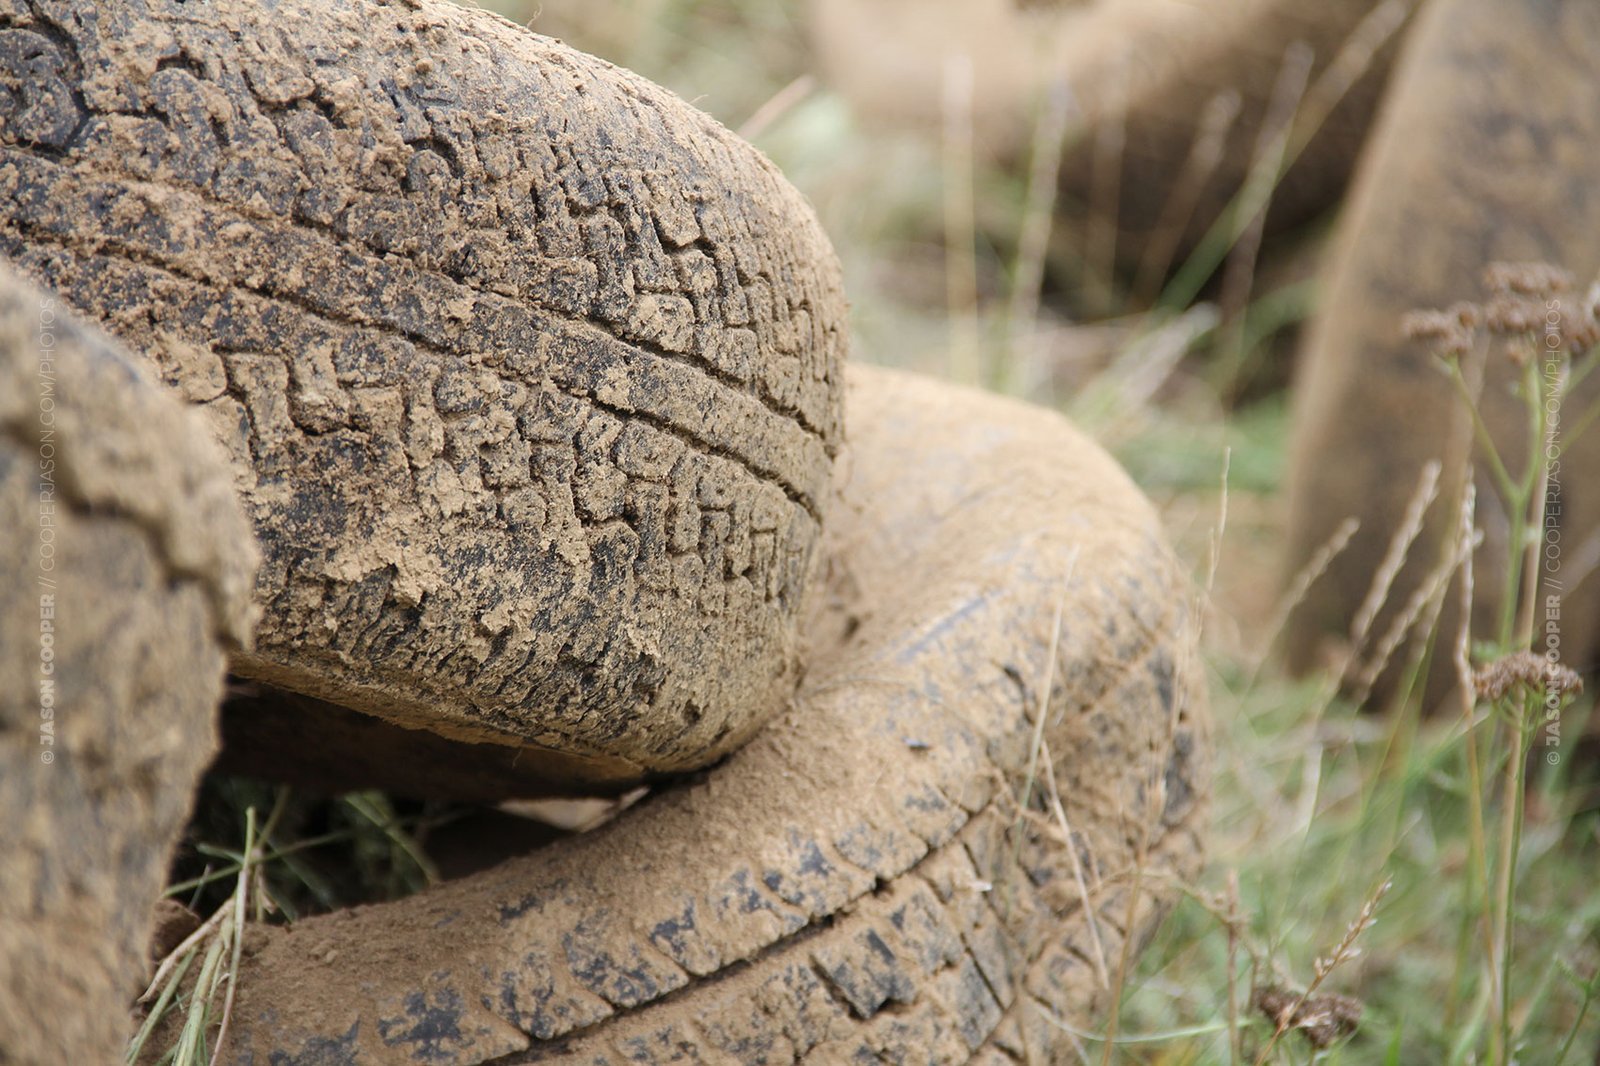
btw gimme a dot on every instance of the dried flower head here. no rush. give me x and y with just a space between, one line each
1469 315
1526 279
1321 1019
1583 325
1524 668
1514 314
1520 351
1450 336
1522 307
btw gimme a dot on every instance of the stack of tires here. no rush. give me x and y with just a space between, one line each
483 408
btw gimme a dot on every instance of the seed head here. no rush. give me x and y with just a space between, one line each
1526 279
1493 680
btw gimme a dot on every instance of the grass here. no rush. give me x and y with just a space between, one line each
1485 947
243 868
1382 888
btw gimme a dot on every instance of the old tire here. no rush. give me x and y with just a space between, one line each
530 371
127 568
1177 61
1145 71
859 882
1488 151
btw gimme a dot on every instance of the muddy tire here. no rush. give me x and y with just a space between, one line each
1143 72
530 372
1177 61
1488 151
871 878
128 568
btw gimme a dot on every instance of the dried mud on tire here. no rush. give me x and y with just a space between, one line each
858 883
530 372
128 568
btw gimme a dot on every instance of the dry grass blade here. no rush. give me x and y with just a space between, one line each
1266 169
158 1009
1389 566
1234 920
180 954
1121 393
1043 712
1345 951
1214 556
1425 599
1299 587
1353 60
1210 139
1462 650
249 869
1105 180
779 104
192 1037
1037 750
960 220
1028 278
222 935
1539 512
1125 955
1155 796
1070 840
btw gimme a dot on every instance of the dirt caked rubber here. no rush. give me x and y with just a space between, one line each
128 568
881 875
530 371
